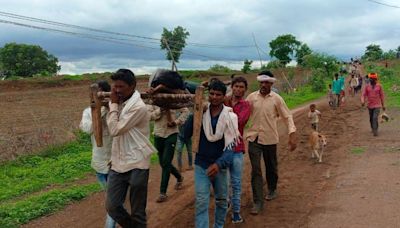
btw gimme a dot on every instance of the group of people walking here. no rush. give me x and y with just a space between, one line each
372 93
123 162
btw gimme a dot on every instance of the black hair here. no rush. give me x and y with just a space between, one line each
336 74
266 72
124 75
218 86
104 86
239 79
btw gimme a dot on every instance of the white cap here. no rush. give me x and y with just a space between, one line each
265 78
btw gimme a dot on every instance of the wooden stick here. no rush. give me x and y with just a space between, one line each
197 118
183 98
95 105
155 96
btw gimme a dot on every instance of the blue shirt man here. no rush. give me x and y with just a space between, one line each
219 133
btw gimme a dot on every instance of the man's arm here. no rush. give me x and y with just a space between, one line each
222 163
155 112
181 119
86 122
225 160
364 95
118 126
382 96
285 113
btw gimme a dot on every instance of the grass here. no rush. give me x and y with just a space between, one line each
300 96
388 77
357 150
56 165
20 212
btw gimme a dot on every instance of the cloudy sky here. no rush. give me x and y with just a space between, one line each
342 28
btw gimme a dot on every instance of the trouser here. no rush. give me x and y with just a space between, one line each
166 149
373 118
118 184
268 152
338 100
180 143
102 179
235 173
202 184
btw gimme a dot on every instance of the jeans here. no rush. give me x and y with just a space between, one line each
257 150
235 172
118 184
180 143
202 185
166 149
373 118
102 179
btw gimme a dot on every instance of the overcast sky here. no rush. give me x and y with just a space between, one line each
342 28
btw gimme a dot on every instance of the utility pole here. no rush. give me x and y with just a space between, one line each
258 51
171 55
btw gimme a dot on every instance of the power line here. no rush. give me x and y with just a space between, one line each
384 4
108 39
84 35
38 20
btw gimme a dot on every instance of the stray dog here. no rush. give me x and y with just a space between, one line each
317 143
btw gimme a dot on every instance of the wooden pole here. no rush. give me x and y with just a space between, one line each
95 105
197 118
155 96
173 67
258 51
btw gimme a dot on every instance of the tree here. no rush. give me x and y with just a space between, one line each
274 64
391 54
283 48
220 68
319 62
303 51
247 66
173 42
372 52
27 60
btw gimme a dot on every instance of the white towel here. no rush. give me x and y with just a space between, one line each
227 127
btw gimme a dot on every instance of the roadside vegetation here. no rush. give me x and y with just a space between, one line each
389 77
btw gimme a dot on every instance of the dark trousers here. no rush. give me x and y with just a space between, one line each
373 118
117 188
166 150
256 151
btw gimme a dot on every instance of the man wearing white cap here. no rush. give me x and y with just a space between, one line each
266 108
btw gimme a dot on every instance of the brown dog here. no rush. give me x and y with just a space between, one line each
318 143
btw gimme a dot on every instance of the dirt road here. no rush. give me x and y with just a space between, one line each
356 185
